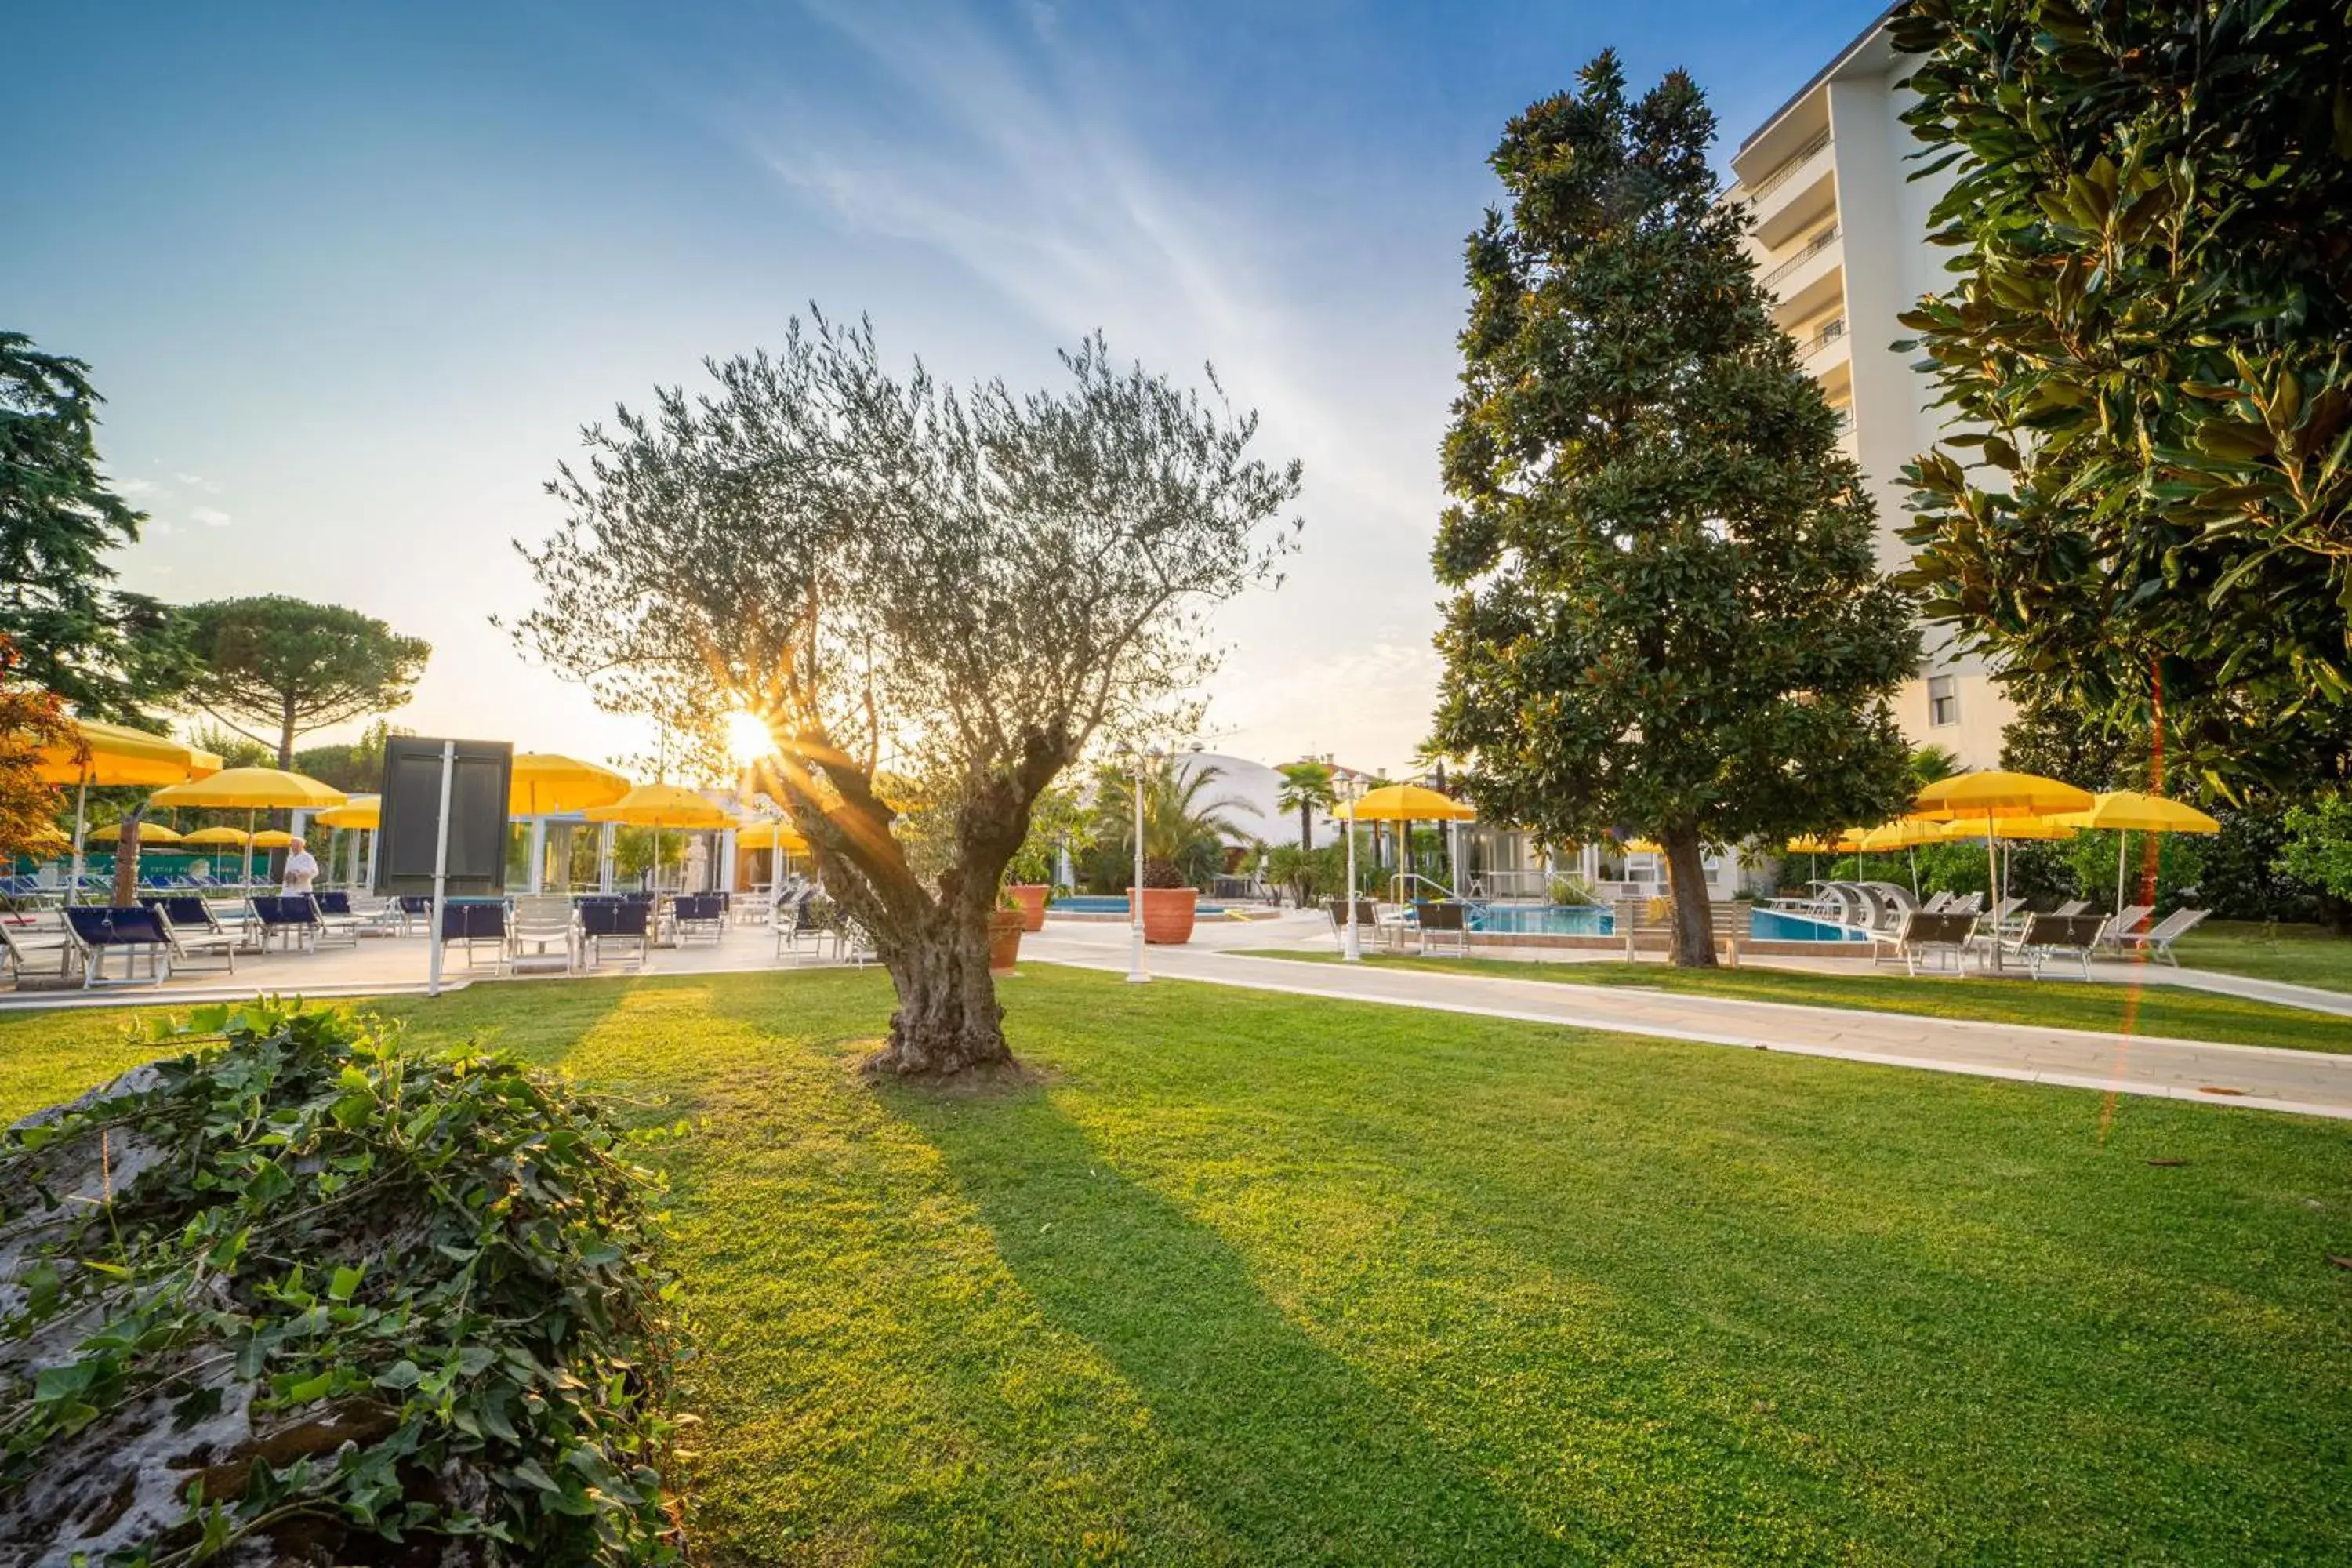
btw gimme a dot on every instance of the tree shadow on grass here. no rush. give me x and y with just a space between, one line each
1281 1444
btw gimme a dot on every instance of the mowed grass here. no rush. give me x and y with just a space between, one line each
2152 1008
1252 1279
2296 954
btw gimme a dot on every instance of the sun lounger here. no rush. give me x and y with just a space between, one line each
2114 932
97 929
625 924
539 922
196 930
2168 931
477 923
36 947
1443 923
2072 907
290 917
1928 934
2046 937
700 916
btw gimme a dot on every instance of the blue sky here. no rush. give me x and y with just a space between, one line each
352 277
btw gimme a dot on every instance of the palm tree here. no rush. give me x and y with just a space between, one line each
1307 788
1179 826
1929 763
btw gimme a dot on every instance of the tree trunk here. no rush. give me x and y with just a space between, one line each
1687 880
286 738
126 859
1306 825
949 1020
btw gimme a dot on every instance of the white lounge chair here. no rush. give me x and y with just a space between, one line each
2170 930
2121 925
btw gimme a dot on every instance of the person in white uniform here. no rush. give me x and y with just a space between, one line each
302 867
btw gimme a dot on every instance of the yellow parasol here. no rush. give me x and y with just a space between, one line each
271 838
763 835
545 784
253 790
1403 804
360 811
1993 795
108 755
150 833
237 835
2125 812
660 806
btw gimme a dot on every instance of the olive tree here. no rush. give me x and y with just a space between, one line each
965 589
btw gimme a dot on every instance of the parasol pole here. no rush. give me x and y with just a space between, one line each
81 823
2122 838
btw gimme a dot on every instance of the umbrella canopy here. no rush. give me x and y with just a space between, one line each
119 755
660 806
545 784
252 789
1404 803
45 838
760 834
271 838
1900 834
150 834
234 836
2133 812
2011 829
360 811
1998 793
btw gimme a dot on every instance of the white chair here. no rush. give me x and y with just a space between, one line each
2167 932
541 921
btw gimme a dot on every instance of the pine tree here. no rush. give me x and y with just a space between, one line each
1667 616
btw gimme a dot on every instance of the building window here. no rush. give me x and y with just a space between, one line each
1943 702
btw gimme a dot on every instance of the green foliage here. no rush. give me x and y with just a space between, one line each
2242 876
1307 788
1185 835
1562 888
2058 741
1668 613
2153 505
2090 861
355 767
1929 763
2318 847
102 650
289 666
1057 818
409 1264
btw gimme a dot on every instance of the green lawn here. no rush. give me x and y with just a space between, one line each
2152 1009
2299 956
1253 1279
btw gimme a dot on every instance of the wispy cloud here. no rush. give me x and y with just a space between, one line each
998 152
210 516
198 482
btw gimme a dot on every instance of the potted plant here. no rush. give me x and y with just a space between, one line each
1182 833
1031 898
1005 924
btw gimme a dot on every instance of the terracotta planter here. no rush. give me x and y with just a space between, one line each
1004 928
1031 897
1167 914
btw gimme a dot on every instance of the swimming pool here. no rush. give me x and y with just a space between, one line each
1112 904
1588 919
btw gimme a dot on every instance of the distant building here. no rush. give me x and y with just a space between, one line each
1841 239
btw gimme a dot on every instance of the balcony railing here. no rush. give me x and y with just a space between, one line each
1832 331
1788 168
1813 247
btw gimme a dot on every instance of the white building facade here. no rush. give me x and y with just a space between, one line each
1840 240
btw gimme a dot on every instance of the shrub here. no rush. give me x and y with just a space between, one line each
307 1293
2318 847
1564 888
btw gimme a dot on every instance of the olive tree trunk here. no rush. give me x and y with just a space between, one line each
949 1020
1694 933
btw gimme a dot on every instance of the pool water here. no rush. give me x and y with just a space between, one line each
1114 904
1587 920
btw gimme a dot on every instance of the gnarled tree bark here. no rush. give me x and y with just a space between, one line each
1686 880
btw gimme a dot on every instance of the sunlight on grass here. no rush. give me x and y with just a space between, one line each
1250 1279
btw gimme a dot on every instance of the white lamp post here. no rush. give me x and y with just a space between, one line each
1136 971
1353 951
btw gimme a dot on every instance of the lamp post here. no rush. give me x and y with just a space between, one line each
1136 971
1354 951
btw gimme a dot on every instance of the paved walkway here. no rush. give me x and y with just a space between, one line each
2271 1078
2265 1077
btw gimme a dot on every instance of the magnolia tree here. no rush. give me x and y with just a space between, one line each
1667 613
964 588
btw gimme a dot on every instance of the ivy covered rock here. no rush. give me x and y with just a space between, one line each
308 1294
